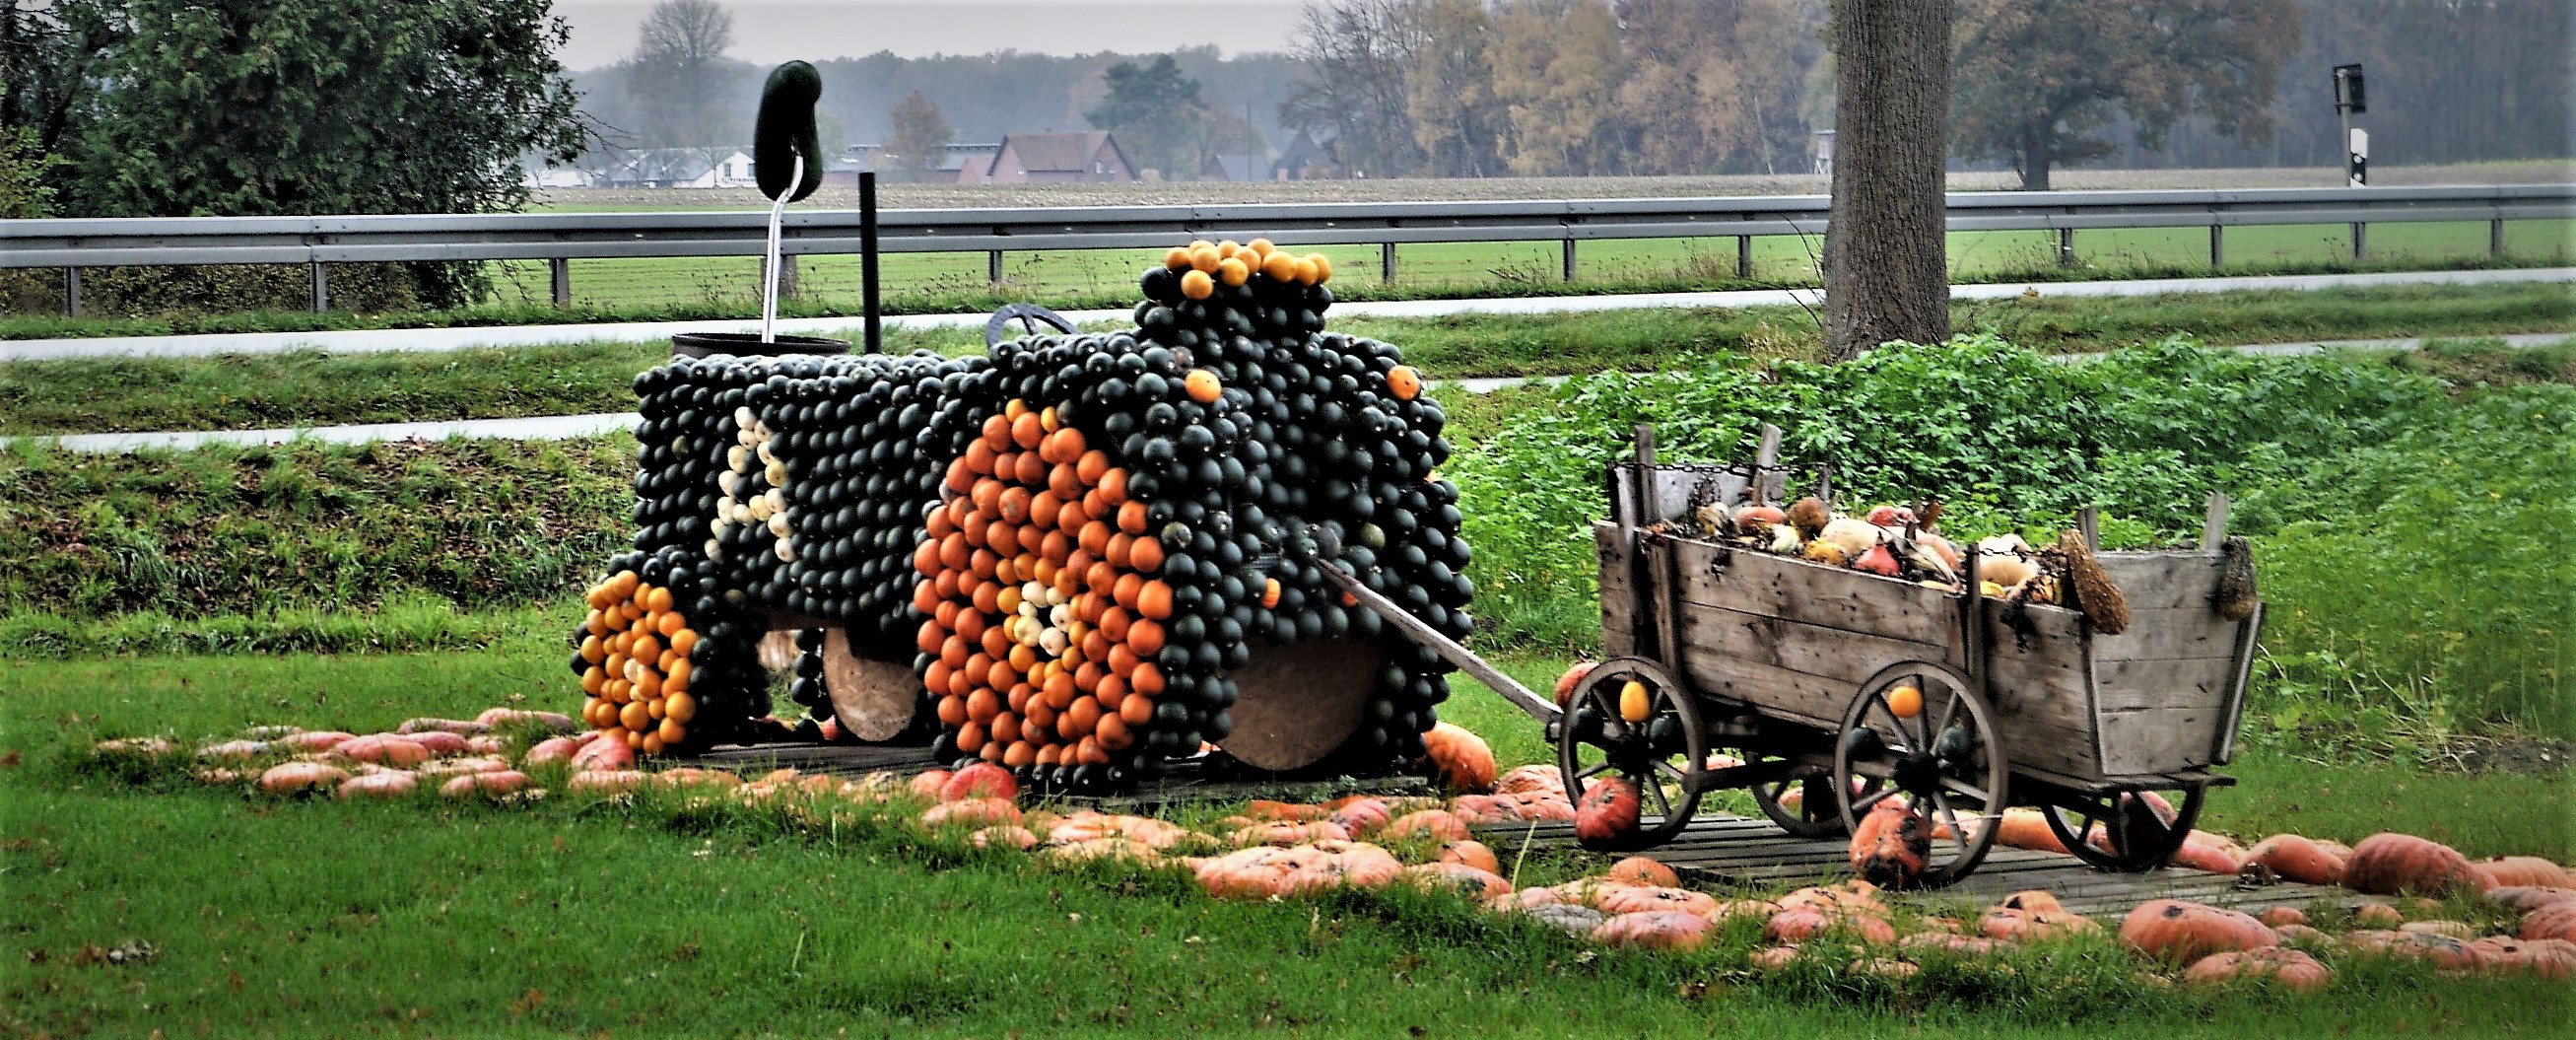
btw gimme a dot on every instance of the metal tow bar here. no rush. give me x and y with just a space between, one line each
1325 558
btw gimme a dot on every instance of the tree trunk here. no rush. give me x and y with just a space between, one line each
1886 263
2035 157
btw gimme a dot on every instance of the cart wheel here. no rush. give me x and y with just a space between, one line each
1943 757
998 327
2139 835
1802 803
1664 754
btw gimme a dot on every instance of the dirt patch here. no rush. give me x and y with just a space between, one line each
2517 755
932 196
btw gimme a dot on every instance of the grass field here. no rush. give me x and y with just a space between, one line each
580 917
313 388
1443 268
727 287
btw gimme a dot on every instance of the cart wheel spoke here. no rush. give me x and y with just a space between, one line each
1950 816
1949 711
1879 703
1962 787
1863 803
1923 711
1656 790
1594 771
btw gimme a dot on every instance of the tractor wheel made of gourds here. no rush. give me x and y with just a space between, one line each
1918 732
2127 832
997 329
1630 719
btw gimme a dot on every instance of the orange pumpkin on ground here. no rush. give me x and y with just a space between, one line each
1892 846
2517 897
1644 898
1434 823
2286 968
2554 921
2526 872
2295 858
2183 932
2389 864
1608 811
1639 870
1654 930
1472 853
1462 759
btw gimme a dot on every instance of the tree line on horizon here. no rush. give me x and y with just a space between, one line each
1474 88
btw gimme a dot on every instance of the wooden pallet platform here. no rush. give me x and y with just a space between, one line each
1186 785
1716 850
1734 851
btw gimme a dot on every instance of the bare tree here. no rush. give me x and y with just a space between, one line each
1886 260
921 135
677 73
1357 54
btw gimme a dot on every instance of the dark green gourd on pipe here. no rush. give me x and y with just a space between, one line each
785 130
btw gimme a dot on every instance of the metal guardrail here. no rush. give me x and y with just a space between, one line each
317 240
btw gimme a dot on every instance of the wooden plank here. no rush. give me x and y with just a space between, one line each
2162 580
2160 740
1828 597
1796 696
1618 591
2167 633
1830 654
2198 682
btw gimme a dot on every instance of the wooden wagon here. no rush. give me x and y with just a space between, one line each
1773 674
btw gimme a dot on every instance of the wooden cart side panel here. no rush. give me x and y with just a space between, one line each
1618 591
2168 634
2159 740
1809 673
2171 686
2197 682
1847 601
2163 580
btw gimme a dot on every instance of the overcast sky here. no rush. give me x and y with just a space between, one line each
771 31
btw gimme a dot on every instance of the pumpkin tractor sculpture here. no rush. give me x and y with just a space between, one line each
1087 557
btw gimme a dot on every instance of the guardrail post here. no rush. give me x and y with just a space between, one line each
993 267
786 276
2217 245
1744 256
559 281
2066 247
321 288
71 292
1569 260
2360 240
2495 237
1386 262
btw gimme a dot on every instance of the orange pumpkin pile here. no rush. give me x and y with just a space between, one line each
1045 610
637 645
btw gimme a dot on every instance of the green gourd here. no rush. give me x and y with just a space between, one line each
785 129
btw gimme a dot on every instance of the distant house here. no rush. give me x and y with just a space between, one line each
956 163
1091 156
1230 167
1309 156
544 176
677 168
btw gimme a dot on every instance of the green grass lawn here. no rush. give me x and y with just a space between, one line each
314 388
579 917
